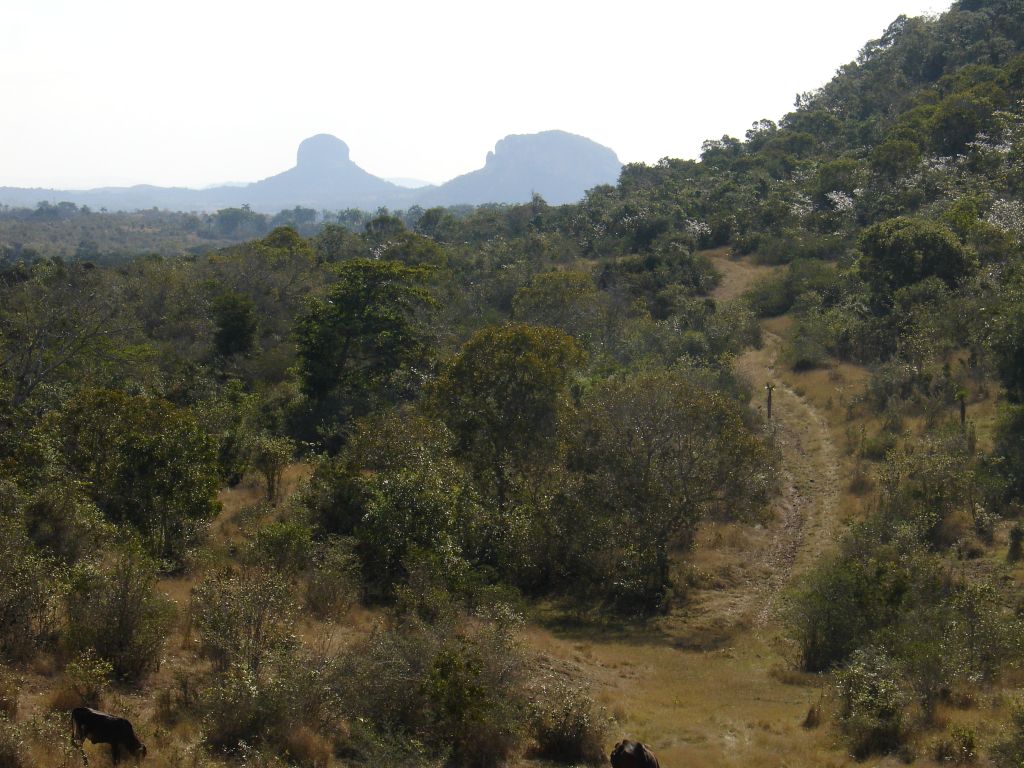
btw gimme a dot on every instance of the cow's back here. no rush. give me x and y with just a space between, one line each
633 754
101 728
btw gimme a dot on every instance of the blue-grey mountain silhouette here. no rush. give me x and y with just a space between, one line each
556 165
323 177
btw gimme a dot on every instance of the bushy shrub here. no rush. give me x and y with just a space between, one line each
371 745
863 589
14 746
872 713
567 724
244 617
770 296
951 639
61 521
290 707
286 547
458 689
270 456
895 380
904 250
334 582
393 440
29 593
427 507
147 463
775 295
927 483
1009 449
10 689
687 453
961 748
731 328
567 300
1008 752
1016 548
1004 335
114 610
88 676
806 348
241 708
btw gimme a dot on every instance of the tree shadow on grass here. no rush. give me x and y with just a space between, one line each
597 626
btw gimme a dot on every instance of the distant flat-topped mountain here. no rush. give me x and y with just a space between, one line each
556 165
323 177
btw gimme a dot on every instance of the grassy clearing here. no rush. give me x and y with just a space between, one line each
738 273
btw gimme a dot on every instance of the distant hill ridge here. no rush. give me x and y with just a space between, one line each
557 165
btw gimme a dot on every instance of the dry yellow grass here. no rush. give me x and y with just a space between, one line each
738 274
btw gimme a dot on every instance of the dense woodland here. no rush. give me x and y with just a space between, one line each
501 414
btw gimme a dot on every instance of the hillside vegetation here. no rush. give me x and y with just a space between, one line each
500 486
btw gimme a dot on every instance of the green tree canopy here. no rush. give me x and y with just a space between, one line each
902 251
236 324
146 463
502 394
657 453
568 301
355 341
58 321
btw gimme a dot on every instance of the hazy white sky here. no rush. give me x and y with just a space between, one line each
194 92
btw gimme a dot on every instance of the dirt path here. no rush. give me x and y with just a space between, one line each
807 507
750 570
710 684
803 516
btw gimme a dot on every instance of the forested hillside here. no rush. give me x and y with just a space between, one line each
501 485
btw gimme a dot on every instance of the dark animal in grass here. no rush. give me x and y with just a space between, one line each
633 754
101 728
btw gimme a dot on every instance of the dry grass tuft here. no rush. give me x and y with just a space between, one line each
308 749
64 698
814 717
788 675
955 528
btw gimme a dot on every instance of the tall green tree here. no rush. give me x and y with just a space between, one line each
903 251
361 341
569 301
236 324
145 462
502 396
656 454
58 321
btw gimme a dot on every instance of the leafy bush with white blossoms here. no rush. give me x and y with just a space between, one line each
1008 215
840 201
872 701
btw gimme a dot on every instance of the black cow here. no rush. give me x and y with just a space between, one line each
633 754
101 728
